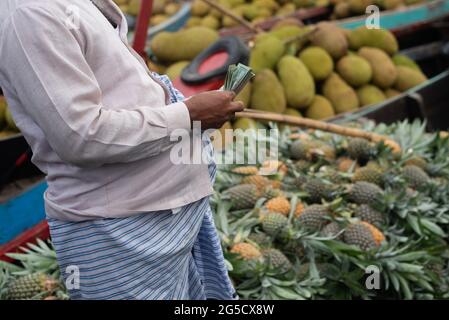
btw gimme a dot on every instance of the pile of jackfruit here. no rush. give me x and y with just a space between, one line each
254 11
327 70
308 71
7 125
162 9
350 8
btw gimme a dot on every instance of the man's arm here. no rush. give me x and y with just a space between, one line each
47 68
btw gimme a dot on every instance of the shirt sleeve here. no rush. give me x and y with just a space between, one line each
45 64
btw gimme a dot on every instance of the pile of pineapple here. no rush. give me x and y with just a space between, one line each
7 126
34 276
331 211
162 9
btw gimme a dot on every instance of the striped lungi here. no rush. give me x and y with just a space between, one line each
158 255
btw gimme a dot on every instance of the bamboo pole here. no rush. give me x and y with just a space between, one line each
319 125
232 15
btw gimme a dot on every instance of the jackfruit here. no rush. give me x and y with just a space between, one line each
381 39
389 4
355 70
171 8
175 70
358 7
271 5
286 22
403 60
266 53
3 108
10 124
298 84
330 38
340 94
292 112
228 22
390 93
199 8
408 78
286 9
342 10
219 138
321 108
134 7
193 21
369 94
267 92
158 19
318 62
182 45
384 71
246 123
211 22
244 95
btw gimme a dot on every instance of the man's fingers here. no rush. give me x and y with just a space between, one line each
236 106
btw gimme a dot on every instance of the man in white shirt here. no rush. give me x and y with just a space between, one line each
99 123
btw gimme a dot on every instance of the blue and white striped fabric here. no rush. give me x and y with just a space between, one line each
158 255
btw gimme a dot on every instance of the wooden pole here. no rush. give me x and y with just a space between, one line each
232 15
319 125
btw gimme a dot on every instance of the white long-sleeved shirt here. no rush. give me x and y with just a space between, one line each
98 123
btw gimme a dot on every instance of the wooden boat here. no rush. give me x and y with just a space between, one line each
22 217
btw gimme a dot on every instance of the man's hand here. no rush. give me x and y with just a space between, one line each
213 108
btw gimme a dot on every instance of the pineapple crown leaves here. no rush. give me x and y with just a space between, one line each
37 258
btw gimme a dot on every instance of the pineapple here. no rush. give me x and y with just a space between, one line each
417 161
302 165
246 251
274 166
261 239
299 209
368 174
259 181
314 217
243 196
277 260
363 235
360 149
300 150
317 190
279 204
246 170
333 229
271 193
363 192
345 164
415 176
32 286
273 223
366 213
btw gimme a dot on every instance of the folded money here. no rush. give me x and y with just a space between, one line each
237 77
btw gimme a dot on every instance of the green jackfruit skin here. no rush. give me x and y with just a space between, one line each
175 70
318 62
408 78
321 108
267 93
390 93
369 94
266 53
340 94
377 38
10 124
331 38
3 108
384 71
355 70
298 84
403 60
358 7
182 45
